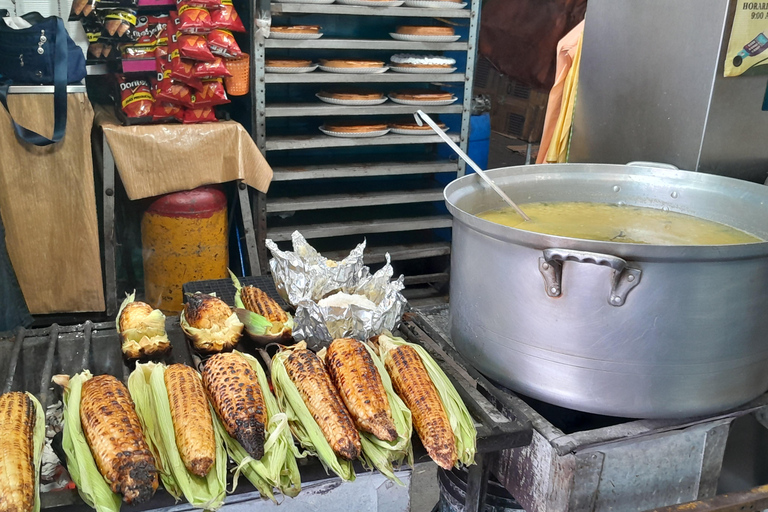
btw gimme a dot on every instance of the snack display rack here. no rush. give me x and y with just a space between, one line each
412 213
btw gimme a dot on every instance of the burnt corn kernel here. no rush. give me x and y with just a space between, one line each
17 465
262 304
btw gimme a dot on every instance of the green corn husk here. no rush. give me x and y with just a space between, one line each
150 395
38 441
277 469
91 485
256 325
383 455
148 338
461 422
303 425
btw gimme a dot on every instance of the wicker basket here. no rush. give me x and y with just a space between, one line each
239 83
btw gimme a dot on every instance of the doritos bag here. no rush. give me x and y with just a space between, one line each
180 70
199 115
191 46
168 90
214 69
226 17
136 99
213 93
193 20
222 43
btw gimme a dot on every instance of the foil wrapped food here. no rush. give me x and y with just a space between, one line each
335 299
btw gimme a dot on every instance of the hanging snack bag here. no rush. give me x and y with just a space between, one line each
180 70
213 69
206 4
136 101
168 90
119 23
226 17
213 93
222 43
192 19
199 115
191 46
164 111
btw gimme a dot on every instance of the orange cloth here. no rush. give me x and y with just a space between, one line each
567 50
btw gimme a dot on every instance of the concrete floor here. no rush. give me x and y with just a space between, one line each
424 489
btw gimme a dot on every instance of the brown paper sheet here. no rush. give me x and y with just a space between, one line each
164 158
48 204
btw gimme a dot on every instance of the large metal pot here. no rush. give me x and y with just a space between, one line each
613 328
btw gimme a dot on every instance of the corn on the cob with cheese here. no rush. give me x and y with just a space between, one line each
113 432
439 415
264 319
308 374
234 391
141 329
303 424
355 376
210 323
177 420
22 423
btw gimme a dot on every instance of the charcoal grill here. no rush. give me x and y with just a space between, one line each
30 357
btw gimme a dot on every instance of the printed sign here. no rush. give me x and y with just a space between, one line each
747 46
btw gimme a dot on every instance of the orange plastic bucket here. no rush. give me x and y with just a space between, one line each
239 83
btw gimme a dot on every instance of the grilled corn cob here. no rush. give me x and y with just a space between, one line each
192 420
113 432
234 390
307 373
210 323
17 467
141 328
262 304
264 319
411 381
352 371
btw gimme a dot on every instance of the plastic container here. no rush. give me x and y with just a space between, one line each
239 83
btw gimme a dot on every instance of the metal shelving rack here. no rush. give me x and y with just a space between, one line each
266 11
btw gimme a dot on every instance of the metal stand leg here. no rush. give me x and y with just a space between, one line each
248 231
109 240
477 483
528 151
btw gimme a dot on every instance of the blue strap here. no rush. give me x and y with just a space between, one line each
59 95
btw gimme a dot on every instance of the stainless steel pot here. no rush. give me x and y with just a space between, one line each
613 328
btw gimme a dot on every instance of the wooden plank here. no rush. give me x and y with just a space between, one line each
439 277
327 109
282 143
312 172
291 204
334 9
397 252
360 227
364 44
753 500
321 77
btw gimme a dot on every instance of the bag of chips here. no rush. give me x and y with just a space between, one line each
226 17
213 69
199 115
222 43
119 23
164 111
136 100
193 20
191 46
213 94
168 90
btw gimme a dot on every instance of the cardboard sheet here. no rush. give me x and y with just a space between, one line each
159 159
48 205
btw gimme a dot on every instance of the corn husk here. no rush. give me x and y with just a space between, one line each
259 328
461 421
384 455
150 395
91 485
147 337
277 469
215 339
303 425
38 441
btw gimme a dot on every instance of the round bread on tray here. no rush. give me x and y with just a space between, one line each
425 31
406 60
336 63
422 95
354 126
297 29
411 125
287 63
352 94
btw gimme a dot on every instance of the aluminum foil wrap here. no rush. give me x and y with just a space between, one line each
304 277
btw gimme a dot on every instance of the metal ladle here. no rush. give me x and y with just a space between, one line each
419 115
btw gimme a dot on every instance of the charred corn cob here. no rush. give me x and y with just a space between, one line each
352 371
17 468
262 304
306 371
113 432
234 390
411 381
210 323
142 329
192 420
264 319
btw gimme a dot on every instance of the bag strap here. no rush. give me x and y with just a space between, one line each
59 95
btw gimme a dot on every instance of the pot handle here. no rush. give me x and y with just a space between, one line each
623 281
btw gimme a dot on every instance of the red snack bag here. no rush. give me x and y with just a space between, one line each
181 70
193 20
191 46
162 52
169 91
222 43
215 69
165 112
136 99
199 115
148 33
207 4
227 18
213 93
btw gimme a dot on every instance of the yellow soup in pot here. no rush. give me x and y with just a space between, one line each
619 223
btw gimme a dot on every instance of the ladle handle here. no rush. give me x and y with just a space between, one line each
469 161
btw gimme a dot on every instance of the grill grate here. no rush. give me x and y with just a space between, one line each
225 290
